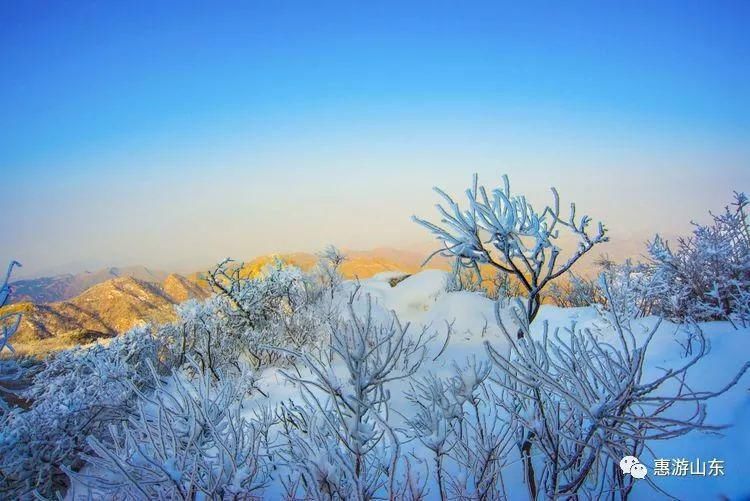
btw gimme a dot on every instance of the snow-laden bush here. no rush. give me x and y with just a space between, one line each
282 307
279 289
205 332
8 321
707 275
79 392
629 290
187 440
577 292
505 289
328 269
339 443
10 370
464 279
580 402
506 232
457 420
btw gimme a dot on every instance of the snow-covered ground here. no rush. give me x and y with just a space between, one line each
421 299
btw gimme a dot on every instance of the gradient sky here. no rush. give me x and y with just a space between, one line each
176 134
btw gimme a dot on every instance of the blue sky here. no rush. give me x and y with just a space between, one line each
172 134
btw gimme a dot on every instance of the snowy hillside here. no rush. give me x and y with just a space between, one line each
422 300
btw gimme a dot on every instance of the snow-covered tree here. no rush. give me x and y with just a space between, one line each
207 332
457 420
707 275
328 269
340 443
8 321
577 292
256 299
10 370
581 402
629 289
276 308
186 440
464 279
504 231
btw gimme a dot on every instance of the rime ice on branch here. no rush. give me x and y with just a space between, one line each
8 322
505 231
340 442
10 370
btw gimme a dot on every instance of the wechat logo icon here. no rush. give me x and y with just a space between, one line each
630 465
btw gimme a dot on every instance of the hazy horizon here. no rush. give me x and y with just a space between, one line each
171 136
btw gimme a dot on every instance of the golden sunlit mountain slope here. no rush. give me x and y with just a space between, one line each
179 289
362 264
63 287
103 310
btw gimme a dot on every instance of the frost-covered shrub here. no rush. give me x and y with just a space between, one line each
707 275
283 307
464 279
77 393
280 308
504 231
328 270
457 420
505 289
8 321
10 370
187 440
205 332
339 443
579 402
629 290
279 289
577 292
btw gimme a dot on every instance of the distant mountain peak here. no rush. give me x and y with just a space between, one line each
67 286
